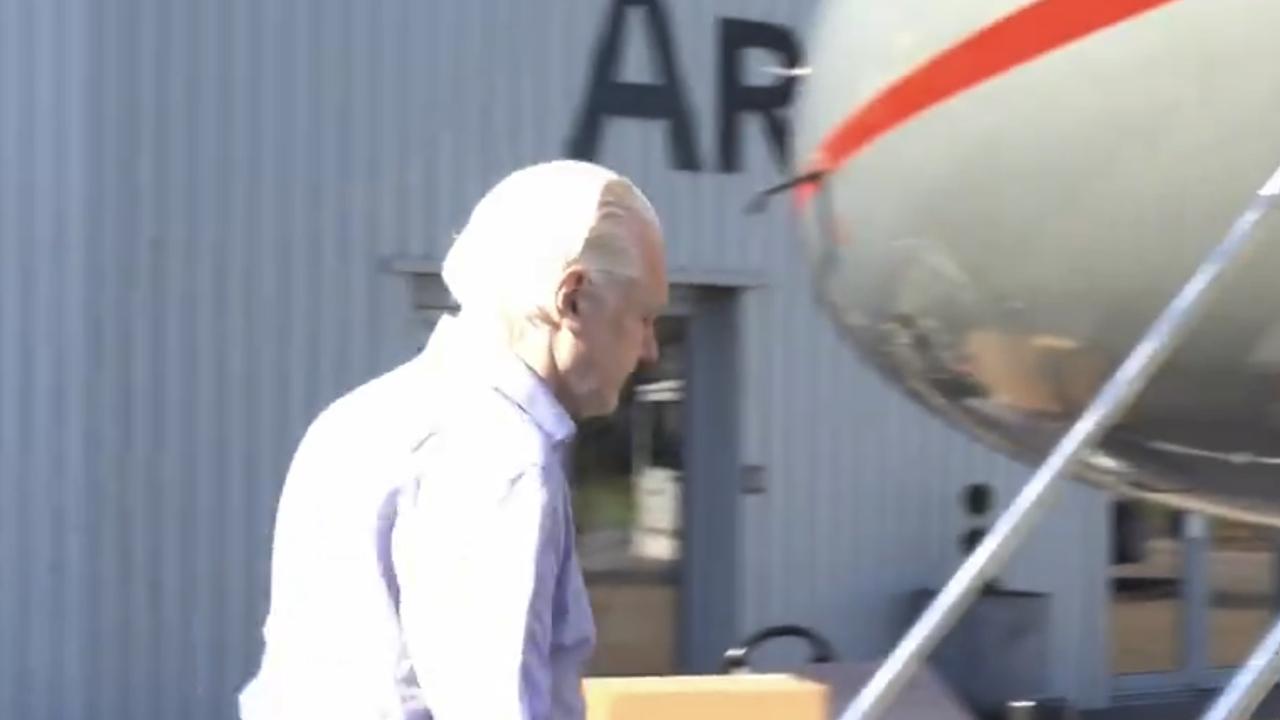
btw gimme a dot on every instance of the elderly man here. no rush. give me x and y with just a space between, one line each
423 561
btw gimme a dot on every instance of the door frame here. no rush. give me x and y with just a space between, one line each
711 561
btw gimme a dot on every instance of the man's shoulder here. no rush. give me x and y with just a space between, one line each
466 421
480 425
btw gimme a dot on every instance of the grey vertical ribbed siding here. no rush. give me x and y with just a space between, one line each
255 168
197 202
44 485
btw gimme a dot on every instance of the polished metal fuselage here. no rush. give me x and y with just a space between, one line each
999 254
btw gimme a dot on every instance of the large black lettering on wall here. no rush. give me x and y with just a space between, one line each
607 96
737 37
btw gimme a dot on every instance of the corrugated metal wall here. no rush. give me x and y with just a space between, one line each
196 209
45 366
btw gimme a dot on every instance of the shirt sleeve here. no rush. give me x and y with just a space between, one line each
477 560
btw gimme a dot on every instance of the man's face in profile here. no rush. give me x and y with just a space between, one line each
615 330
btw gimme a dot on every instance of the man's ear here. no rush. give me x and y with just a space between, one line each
569 293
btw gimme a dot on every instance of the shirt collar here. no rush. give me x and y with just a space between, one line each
458 347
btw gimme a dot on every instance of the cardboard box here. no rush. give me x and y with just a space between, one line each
706 697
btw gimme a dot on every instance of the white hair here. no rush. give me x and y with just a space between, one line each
535 223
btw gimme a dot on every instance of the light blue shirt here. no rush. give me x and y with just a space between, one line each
424 563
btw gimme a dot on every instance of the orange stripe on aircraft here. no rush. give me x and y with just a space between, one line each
1034 30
